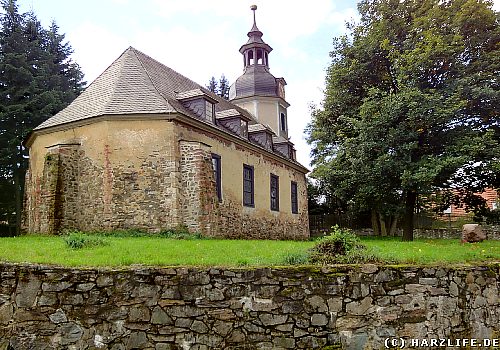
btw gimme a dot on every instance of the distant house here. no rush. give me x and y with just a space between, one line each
144 147
492 201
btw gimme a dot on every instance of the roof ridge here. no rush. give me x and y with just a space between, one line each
134 50
104 71
164 65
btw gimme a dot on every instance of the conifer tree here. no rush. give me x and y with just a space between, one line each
212 85
223 87
37 79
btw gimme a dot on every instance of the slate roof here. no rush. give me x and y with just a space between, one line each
259 127
135 83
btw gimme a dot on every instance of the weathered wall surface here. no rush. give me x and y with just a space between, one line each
154 175
278 308
104 176
236 221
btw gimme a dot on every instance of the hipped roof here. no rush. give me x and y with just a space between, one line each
134 84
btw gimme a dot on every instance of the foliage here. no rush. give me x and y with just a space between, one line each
37 79
320 200
79 240
342 246
493 217
220 88
180 232
295 258
411 107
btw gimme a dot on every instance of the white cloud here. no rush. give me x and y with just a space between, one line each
201 38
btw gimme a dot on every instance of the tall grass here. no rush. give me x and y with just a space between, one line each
123 251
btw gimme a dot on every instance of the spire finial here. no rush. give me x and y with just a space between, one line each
253 8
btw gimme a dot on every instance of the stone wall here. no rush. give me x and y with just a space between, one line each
199 196
154 176
492 232
213 308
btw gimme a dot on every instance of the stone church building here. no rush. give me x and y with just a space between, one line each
144 147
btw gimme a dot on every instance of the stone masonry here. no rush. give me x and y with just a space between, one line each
355 307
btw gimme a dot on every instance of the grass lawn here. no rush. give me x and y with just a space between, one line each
123 251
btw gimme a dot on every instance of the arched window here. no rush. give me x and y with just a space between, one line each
260 56
250 58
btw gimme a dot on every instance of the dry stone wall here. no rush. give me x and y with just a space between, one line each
265 308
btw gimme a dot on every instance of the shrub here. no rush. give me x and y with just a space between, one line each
297 258
342 246
180 232
79 240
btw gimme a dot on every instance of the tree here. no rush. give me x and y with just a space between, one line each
221 88
411 107
37 79
212 85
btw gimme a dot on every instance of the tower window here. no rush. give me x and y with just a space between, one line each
260 57
250 57
266 61
283 121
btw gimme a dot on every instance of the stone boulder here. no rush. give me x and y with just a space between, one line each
472 233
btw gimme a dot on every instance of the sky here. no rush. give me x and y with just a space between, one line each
201 39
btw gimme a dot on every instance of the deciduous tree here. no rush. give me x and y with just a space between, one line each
411 106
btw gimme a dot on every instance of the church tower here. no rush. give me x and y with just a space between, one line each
257 90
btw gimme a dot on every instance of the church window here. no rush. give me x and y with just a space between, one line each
266 60
275 193
248 186
295 202
216 163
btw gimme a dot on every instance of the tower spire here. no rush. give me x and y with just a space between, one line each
254 8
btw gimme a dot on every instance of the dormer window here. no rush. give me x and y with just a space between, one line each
210 111
200 103
261 135
284 147
233 121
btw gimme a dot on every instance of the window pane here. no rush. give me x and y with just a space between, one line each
248 186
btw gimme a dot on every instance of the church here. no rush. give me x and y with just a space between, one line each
144 147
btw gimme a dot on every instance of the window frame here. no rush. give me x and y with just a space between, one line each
294 197
283 122
274 205
250 169
218 175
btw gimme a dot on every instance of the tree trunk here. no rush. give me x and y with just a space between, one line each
376 231
19 174
394 226
410 201
383 226
18 202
